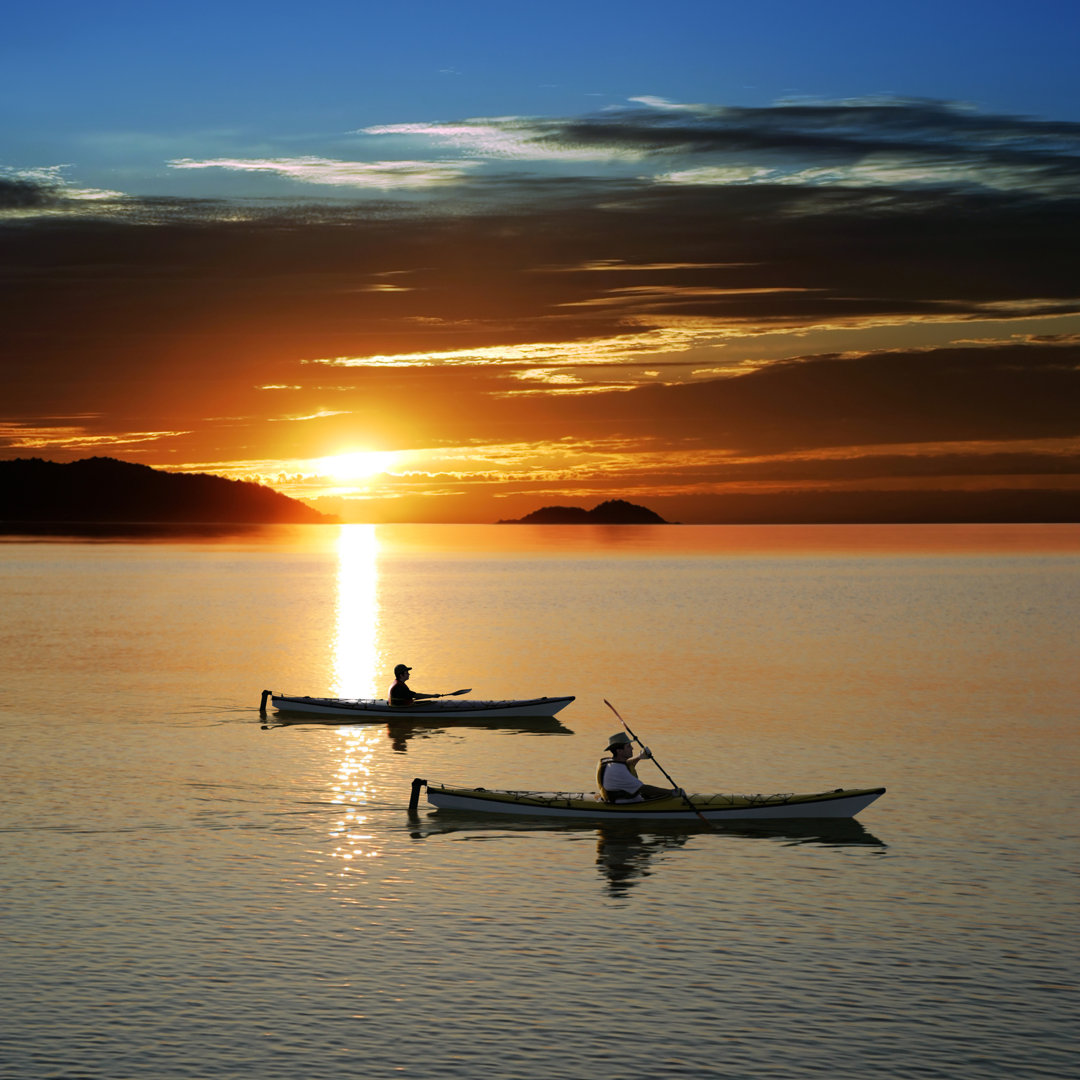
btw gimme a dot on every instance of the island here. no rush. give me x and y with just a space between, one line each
612 512
105 490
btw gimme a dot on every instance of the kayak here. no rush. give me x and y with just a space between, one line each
839 803
379 709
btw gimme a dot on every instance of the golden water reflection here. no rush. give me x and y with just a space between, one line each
352 787
356 657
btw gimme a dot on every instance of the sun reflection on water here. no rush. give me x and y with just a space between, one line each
356 652
352 788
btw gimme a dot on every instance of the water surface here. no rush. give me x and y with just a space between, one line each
188 892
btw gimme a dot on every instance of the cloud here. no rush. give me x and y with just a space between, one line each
384 175
876 143
874 147
71 437
711 265
596 351
990 394
45 190
883 170
321 414
507 138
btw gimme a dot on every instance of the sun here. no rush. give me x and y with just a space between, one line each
356 464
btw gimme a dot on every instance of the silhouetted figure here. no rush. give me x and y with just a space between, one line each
400 693
617 777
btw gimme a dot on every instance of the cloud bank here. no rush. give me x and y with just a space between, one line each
725 295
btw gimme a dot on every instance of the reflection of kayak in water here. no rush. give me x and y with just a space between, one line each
402 730
378 709
830 832
840 803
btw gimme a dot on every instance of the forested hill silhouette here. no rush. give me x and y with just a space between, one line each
102 489
612 512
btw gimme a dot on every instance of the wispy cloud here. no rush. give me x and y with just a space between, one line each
384 175
509 138
877 146
884 170
861 143
321 414
613 350
20 436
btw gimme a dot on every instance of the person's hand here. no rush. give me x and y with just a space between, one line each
646 753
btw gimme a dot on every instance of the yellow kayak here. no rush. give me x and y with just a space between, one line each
838 803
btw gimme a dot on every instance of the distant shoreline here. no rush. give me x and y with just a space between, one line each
106 491
41 495
611 512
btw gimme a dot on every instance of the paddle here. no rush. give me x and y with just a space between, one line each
686 798
421 698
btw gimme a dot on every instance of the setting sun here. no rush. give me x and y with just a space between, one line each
356 465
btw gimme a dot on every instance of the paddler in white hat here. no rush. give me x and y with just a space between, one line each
617 777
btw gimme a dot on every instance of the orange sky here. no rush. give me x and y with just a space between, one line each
676 340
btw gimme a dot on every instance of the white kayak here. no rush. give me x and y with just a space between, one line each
379 709
838 803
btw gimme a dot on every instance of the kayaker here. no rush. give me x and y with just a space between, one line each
400 693
616 774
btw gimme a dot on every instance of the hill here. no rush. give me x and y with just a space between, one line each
102 489
612 512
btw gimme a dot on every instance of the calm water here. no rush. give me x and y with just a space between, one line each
189 894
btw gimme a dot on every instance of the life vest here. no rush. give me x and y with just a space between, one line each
605 795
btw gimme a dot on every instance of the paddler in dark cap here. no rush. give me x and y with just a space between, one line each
401 694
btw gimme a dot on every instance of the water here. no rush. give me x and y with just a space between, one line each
189 894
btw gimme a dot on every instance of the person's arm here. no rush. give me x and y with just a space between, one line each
645 753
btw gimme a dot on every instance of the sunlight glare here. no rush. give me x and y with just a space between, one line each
356 465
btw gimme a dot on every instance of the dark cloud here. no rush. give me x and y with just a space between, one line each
864 465
17 194
835 254
989 394
1007 392
923 134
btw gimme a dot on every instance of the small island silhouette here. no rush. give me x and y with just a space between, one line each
612 512
102 489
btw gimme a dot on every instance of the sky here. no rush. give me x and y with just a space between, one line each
454 262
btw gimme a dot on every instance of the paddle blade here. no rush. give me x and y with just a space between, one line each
458 693
613 709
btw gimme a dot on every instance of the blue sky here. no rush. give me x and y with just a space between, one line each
688 254
112 91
